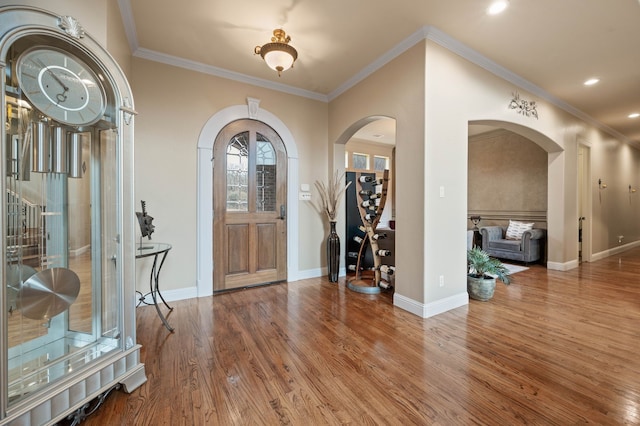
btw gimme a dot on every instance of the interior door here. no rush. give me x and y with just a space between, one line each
249 205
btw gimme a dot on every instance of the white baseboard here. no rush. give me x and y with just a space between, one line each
311 273
613 251
315 273
173 295
408 304
77 252
557 266
433 308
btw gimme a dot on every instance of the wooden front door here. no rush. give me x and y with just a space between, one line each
249 206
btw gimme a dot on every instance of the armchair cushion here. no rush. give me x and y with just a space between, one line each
516 229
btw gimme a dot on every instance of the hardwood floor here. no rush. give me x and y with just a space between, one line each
552 348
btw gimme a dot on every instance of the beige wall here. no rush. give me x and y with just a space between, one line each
116 42
507 179
463 92
173 106
616 211
432 235
90 13
396 91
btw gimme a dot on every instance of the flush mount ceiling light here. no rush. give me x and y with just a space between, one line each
278 54
634 115
497 7
591 81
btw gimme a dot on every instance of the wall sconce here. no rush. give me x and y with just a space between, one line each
601 184
632 190
278 54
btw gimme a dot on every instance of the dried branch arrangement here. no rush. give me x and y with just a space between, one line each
331 194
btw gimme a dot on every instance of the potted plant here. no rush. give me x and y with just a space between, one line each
482 273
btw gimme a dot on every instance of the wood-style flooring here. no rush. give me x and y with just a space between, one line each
554 348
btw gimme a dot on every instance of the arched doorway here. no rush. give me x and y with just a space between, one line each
249 204
206 164
554 202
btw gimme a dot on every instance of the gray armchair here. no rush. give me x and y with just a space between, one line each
528 249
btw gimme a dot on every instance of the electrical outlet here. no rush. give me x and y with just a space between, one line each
304 196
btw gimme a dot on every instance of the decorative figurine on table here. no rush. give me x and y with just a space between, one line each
475 220
477 236
146 225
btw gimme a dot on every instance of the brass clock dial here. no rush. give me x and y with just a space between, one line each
61 86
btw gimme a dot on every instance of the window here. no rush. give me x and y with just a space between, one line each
238 172
380 163
265 175
360 161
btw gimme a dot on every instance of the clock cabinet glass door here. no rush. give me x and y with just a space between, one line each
61 267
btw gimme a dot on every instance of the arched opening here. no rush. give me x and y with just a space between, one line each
206 163
510 177
367 147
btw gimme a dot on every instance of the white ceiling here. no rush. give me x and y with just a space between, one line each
554 45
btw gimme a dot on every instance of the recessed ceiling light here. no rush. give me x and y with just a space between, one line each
634 115
377 136
497 7
591 81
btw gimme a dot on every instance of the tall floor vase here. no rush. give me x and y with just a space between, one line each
333 253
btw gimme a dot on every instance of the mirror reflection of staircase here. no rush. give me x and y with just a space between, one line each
24 230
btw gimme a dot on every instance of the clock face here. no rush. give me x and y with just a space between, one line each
61 86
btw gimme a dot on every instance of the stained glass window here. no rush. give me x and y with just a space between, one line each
238 173
265 175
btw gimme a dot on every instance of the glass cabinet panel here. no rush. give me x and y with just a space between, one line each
61 252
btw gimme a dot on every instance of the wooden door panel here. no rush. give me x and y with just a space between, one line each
266 246
238 248
250 193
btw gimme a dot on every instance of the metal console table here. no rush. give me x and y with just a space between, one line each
149 249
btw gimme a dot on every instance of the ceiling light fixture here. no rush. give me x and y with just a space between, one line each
278 54
497 7
591 81
634 115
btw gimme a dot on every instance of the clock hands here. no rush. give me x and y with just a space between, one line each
61 97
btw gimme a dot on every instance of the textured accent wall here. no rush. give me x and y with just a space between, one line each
507 178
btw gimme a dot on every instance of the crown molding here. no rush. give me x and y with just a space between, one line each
129 24
473 56
424 33
387 57
152 55
163 58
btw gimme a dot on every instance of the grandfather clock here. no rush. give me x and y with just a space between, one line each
67 270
